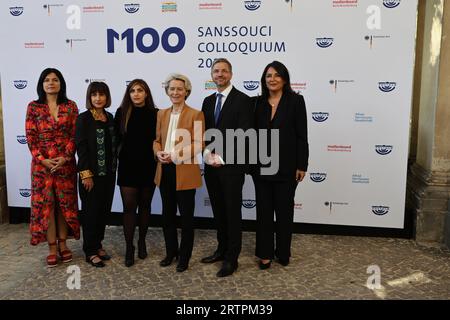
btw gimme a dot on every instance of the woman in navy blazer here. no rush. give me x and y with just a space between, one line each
279 108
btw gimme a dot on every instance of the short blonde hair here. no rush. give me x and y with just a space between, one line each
177 76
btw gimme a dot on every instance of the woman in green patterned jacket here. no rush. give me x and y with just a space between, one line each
96 150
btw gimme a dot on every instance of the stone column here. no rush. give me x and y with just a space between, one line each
428 186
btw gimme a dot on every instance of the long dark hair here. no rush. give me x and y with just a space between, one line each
42 96
284 74
100 87
127 105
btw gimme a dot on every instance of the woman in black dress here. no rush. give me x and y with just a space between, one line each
136 128
279 108
96 150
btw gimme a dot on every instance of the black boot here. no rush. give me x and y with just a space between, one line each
142 249
129 256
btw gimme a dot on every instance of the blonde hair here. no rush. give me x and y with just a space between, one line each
177 76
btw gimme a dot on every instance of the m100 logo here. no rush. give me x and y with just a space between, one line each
151 33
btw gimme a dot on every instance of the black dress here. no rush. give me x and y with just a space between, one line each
137 165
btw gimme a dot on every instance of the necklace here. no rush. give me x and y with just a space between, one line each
98 115
177 110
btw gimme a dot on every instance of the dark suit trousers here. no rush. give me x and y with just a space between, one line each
225 194
185 199
95 208
278 197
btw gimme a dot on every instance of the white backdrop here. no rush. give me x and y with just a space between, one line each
351 59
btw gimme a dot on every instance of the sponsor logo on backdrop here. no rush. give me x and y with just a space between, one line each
210 85
252 5
317 176
339 148
34 45
89 80
298 87
333 204
207 202
359 178
362 117
20 84
298 206
320 116
338 83
251 85
391 3
383 149
169 6
26 193
248 203
210 5
345 3
16 11
22 139
49 7
93 9
71 42
387 86
380 210
324 42
132 7
371 39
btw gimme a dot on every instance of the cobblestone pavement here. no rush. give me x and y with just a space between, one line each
322 267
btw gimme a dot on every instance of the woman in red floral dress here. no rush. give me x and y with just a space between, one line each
50 131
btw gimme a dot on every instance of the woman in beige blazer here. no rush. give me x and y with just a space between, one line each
179 139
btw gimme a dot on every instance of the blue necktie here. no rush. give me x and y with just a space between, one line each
218 107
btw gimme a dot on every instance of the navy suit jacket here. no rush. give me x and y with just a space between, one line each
236 113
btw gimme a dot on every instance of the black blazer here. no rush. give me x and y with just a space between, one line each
291 121
87 142
237 113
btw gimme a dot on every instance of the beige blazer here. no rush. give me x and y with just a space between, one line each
186 147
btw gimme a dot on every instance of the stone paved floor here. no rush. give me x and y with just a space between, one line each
322 267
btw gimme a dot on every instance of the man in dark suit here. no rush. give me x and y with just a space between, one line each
227 109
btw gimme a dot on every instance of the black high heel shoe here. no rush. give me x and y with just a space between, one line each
142 250
264 266
129 257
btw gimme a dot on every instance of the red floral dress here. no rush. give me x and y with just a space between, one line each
48 138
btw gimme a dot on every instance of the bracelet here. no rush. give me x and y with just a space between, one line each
86 174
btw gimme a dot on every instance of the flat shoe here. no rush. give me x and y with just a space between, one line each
103 255
98 264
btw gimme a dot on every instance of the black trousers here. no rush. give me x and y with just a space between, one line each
95 207
225 194
274 197
185 199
